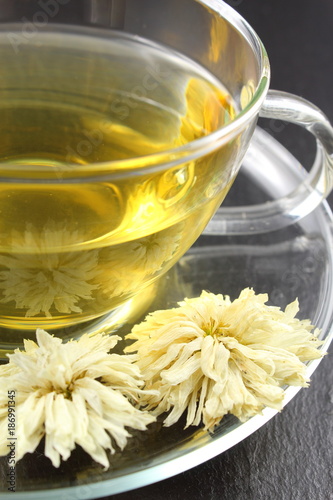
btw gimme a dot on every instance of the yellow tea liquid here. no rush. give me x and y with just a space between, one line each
91 235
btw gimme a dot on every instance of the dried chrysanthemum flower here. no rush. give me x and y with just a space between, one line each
211 356
72 393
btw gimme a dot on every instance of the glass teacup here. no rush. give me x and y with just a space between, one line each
123 126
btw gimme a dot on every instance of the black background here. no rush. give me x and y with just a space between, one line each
291 457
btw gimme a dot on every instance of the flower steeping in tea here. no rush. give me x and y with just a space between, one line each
44 277
40 281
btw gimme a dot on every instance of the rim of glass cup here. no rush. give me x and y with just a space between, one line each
174 156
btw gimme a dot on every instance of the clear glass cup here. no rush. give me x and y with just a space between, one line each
116 152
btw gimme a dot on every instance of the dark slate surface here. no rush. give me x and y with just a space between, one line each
291 457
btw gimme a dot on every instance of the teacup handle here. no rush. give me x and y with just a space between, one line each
307 196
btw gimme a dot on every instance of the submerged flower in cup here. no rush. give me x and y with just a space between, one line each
211 356
41 276
73 394
125 267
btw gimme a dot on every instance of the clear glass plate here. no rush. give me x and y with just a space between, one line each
290 263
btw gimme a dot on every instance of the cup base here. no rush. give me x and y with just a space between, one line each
121 318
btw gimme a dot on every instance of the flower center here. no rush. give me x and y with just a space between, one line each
67 393
211 327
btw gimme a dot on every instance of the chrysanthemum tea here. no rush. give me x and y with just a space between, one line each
79 236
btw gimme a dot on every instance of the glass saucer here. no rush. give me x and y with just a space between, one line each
289 263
